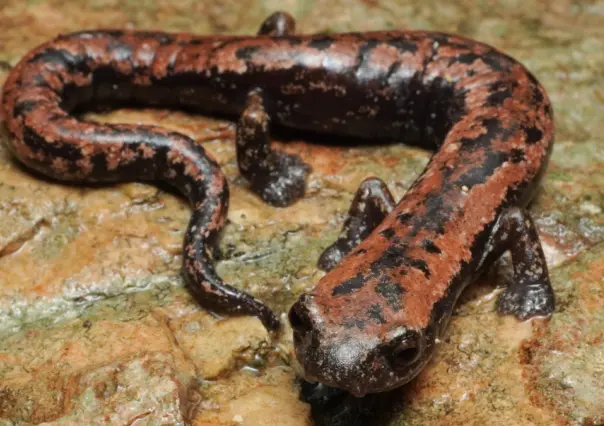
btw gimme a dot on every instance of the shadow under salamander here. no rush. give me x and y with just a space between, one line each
334 407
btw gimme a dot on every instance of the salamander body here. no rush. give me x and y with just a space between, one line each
397 270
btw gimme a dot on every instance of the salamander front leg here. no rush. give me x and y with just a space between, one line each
278 24
279 178
531 293
371 204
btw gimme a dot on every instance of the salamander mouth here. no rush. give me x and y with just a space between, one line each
359 390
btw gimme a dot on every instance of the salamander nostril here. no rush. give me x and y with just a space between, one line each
299 317
405 350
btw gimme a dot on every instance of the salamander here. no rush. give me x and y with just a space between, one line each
397 269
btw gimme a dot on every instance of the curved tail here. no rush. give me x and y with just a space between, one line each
51 81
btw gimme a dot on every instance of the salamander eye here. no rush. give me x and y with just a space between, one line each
299 316
405 349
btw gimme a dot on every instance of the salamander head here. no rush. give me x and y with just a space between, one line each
359 359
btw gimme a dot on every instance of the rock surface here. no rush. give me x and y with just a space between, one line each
96 327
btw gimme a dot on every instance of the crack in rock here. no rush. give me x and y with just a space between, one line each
16 243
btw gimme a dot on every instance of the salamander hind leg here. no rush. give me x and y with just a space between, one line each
530 294
279 178
278 24
371 204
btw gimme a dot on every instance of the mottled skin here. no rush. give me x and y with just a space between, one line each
372 321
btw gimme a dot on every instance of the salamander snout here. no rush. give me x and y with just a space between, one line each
352 358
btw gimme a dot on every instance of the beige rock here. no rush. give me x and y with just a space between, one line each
216 347
271 399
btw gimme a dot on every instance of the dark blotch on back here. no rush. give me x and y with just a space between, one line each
387 233
517 155
479 174
500 91
246 52
430 247
404 217
38 144
192 42
466 58
533 134
355 323
163 39
99 164
376 314
420 264
349 285
495 130
437 212
445 107
497 98
39 80
492 59
403 44
492 126
292 40
24 107
392 257
321 43
390 291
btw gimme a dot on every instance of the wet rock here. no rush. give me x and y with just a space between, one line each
96 327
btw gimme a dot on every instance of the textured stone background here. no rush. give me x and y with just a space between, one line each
96 328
